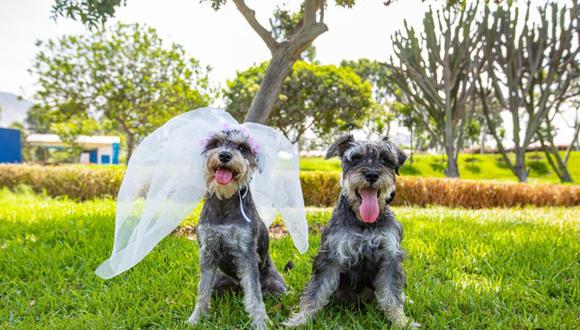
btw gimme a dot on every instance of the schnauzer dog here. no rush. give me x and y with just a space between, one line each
360 252
233 240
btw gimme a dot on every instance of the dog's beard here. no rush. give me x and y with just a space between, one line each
224 180
367 200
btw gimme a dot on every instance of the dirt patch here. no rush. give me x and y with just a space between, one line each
276 231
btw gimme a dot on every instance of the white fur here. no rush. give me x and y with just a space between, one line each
348 248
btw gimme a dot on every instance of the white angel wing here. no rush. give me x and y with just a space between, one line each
163 183
276 188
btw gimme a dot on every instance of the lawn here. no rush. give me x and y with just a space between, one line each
500 268
471 166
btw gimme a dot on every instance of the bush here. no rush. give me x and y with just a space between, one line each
75 182
480 194
322 189
319 188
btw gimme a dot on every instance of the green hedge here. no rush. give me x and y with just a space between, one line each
319 188
76 182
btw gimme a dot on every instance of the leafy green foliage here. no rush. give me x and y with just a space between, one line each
90 12
513 268
324 98
124 79
381 115
472 131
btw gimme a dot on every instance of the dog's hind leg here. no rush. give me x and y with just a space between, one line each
271 280
389 285
223 284
317 294
204 289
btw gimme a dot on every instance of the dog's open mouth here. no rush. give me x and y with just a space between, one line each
223 175
369 206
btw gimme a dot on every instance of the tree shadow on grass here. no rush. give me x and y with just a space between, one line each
501 163
473 168
410 170
537 168
438 166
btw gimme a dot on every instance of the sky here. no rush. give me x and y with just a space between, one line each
223 39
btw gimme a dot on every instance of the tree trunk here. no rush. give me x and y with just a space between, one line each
482 144
411 145
562 171
552 152
270 87
130 146
492 129
571 146
520 167
452 170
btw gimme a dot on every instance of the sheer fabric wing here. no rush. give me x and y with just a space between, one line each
277 187
163 183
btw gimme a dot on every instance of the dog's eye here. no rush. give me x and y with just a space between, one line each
212 144
242 148
356 157
386 160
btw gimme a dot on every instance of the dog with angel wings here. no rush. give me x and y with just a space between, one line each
247 173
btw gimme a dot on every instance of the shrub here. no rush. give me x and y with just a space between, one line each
322 188
480 194
76 182
319 188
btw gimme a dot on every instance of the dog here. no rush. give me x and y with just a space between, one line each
233 240
360 251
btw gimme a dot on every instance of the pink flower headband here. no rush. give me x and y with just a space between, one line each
226 129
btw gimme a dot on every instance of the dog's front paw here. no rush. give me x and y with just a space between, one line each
194 318
260 323
400 321
296 320
415 325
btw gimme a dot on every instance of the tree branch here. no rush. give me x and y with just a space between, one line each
310 8
250 16
304 37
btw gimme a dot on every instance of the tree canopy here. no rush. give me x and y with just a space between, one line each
123 79
324 98
291 35
531 67
434 68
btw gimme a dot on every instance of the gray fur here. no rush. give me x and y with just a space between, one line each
233 252
357 258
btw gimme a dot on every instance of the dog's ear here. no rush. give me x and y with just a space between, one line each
340 146
401 157
390 198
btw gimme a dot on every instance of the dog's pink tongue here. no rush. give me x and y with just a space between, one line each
223 176
369 208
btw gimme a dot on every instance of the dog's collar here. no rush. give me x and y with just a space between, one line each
244 191
242 203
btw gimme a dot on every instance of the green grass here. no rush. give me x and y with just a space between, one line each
487 167
496 268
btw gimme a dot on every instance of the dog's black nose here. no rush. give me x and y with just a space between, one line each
225 156
372 176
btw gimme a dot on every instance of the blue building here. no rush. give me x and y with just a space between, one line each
96 149
10 146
